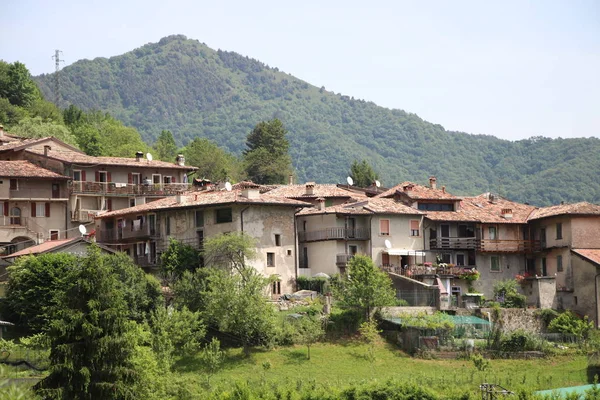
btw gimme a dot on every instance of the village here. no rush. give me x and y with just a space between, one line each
441 251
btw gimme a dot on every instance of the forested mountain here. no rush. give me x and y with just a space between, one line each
183 86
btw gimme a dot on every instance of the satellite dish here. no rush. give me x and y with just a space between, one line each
350 181
82 229
228 186
388 244
149 156
377 183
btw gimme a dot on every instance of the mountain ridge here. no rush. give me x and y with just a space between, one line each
182 85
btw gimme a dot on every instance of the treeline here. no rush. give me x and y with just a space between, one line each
196 92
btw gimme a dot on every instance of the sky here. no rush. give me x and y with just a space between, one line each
513 69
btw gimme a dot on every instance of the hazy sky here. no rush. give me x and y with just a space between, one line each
512 69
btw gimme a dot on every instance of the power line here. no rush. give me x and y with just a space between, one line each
57 61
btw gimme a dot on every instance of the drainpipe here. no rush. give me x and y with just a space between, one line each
296 254
597 308
371 236
242 217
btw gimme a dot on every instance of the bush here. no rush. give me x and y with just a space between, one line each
320 285
507 293
520 340
569 324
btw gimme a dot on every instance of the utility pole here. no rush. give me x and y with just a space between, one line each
57 61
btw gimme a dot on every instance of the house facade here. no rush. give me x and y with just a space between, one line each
143 231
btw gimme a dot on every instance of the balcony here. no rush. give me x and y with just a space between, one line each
84 215
335 233
510 246
127 189
146 262
454 243
118 234
420 270
341 260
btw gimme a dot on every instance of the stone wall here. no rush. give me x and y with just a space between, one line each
395 311
511 319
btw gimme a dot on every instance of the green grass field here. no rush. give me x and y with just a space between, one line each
346 363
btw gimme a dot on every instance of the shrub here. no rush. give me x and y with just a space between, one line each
568 323
507 293
520 340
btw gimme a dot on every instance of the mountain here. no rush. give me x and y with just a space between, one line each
194 91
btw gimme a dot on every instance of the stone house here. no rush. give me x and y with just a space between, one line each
142 231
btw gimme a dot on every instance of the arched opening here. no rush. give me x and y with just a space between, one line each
15 216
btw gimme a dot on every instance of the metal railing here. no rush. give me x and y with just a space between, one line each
419 270
335 233
13 222
84 215
128 189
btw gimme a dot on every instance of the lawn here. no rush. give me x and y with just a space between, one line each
344 363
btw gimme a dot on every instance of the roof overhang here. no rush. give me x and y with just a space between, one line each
404 252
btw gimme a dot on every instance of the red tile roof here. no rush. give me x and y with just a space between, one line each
592 255
205 198
74 157
369 206
21 144
418 192
583 208
319 190
50 245
250 184
25 169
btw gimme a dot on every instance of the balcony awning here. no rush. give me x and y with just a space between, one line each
404 252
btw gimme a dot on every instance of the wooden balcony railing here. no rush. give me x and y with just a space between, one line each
343 259
335 233
128 189
460 243
419 270
510 246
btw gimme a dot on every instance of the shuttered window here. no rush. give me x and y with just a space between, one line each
384 227
414 228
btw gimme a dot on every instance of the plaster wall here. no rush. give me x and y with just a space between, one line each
586 301
510 265
585 232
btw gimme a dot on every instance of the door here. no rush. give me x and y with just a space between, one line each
55 191
152 224
444 236
15 216
351 227
53 235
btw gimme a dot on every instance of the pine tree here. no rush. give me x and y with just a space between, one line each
267 156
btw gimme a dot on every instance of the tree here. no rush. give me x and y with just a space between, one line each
165 146
309 330
369 334
365 286
36 128
92 341
266 158
211 160
238 306
177 259
212 357
362 173
17 86
230 252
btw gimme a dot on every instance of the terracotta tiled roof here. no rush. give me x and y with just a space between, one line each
21 144
25 169
319 190
451 216
592 255
583 208
74 157
418 192
486 211
250 184
365 207
206 198
51 245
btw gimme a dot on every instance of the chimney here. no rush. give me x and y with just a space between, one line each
310 188
138 155
46 150
251 191
290 179
320 203
507 213
178 197
433 182
443 189
1 130
180 160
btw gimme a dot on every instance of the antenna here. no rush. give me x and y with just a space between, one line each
377 183
350 181
82 230
57 61
388 244
228 186
149 156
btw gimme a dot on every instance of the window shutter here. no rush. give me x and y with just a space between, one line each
414 225
33 209
174 179
384 226
47 209
83 176
108 177
6 208
97 176
130 178
109 204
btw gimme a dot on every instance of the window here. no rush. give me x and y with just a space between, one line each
40 209
167 225
54 234
492 233
558 231
385 259
166 179
384 227
223 215
304 259
136 178
460 259
102 176
544 271
156 178
277 287
270 259
77 175
559 264
543 237
132 202
446 258
289 253
15 215
199 219
14 184
152 224
495 264
352 249
141 249
277 239
414 228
